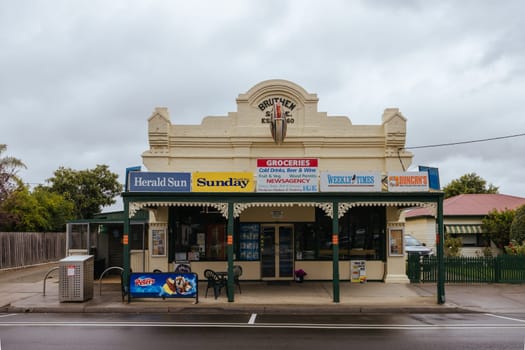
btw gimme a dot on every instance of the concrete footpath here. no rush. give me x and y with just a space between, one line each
22 290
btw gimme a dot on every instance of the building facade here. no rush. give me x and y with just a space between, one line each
274 187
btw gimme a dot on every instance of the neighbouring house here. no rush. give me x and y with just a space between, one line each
462 217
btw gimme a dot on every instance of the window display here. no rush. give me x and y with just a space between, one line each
249 242
216 242
396 242
199 235
158 238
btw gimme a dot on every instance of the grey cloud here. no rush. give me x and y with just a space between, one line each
78 80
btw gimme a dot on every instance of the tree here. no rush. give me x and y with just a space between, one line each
9 182
517 229
37 211
468 183
89 190
9 167
496 226
54 208
19 208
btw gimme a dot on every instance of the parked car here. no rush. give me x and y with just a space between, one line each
413 246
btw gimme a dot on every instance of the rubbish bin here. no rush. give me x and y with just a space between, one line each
75 278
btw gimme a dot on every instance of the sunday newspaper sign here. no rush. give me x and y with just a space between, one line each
287 175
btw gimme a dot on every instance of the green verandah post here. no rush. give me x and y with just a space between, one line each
335 250
440 250
230 252
125 244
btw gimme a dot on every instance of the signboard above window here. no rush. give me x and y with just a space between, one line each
416 181
222 182
287 175
159 182
350 182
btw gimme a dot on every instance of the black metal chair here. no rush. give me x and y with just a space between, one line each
215 282
183 268
237 272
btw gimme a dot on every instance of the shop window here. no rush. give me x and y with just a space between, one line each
313 241
248 242
138 237
199 235
362 234
158 238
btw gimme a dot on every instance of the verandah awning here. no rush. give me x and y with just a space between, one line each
467 229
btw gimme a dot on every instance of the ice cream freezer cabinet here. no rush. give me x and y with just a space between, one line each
76 278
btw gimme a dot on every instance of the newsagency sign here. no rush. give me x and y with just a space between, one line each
222 182
159 182
350 182
287 175
416 181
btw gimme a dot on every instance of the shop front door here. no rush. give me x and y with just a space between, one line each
277 252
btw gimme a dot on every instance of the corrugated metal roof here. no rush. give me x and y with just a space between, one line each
472 205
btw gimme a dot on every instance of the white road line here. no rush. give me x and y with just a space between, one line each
7 315
252 319
507 318
262 325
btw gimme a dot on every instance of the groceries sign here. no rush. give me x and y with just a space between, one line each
287 175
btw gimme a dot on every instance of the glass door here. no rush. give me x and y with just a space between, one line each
276 251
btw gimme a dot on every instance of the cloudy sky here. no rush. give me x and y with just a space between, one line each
78 79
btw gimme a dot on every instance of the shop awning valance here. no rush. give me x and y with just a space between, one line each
463 229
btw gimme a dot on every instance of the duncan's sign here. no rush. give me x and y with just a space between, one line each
416 181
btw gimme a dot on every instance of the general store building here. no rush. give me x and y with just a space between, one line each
276 186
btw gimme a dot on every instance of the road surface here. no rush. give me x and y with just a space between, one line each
252 331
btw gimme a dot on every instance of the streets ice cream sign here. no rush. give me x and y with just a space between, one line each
277 113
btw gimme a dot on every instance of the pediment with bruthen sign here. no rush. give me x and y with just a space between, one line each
273 115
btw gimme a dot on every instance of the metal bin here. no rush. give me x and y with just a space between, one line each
76 278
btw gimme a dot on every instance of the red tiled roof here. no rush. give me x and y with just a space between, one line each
472 205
